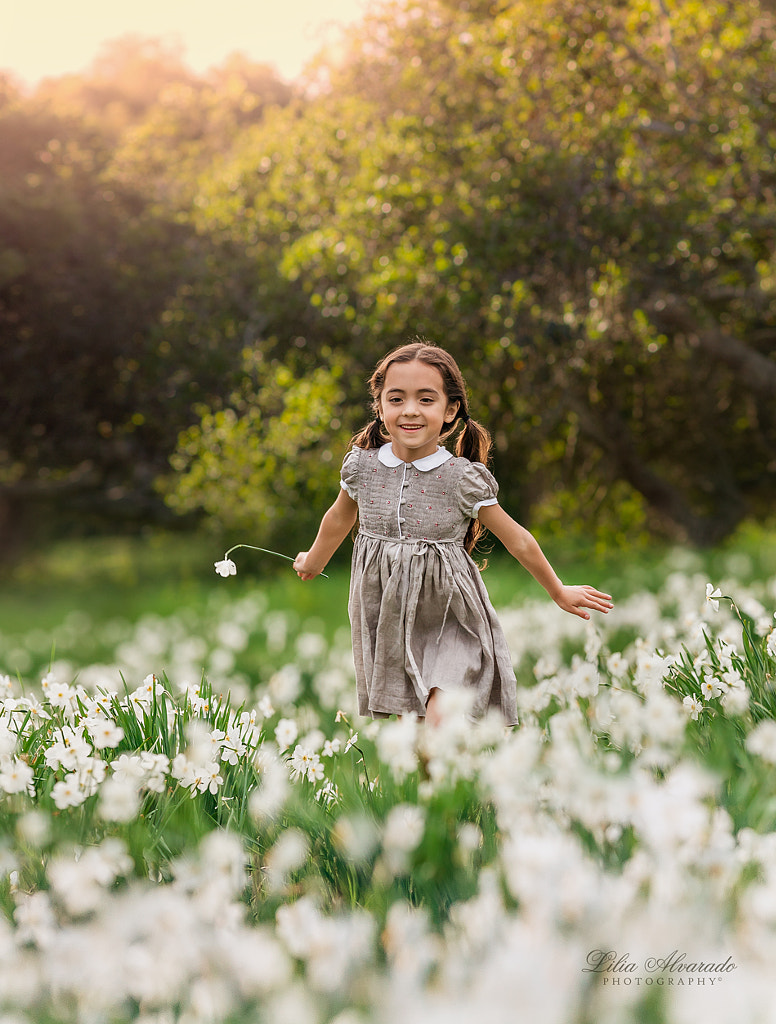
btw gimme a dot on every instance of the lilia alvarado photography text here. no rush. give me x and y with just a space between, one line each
675 969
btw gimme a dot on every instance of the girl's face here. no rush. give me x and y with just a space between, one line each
415 409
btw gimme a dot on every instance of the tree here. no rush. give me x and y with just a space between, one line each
576 200
85 269
123 84
198 121
96 379
263 465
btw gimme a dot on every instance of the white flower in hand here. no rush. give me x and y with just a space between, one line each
712 596
226 567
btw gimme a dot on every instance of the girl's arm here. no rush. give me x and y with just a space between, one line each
524 547
335 526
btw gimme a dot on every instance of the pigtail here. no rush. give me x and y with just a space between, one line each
474 441
370 436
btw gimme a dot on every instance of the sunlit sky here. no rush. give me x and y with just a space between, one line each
40 38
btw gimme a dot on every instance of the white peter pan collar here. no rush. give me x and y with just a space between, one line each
386 456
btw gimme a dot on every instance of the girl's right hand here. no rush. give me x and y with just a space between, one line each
305 570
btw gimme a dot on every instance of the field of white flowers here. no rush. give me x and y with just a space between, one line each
196 827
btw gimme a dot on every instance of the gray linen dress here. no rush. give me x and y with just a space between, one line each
420 614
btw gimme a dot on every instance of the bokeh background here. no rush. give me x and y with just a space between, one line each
199 268
214 219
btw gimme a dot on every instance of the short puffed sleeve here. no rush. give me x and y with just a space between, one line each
477 487
349 474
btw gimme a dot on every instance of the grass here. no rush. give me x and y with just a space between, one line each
127 577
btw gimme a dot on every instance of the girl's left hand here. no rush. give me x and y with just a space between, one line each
576 599
305 569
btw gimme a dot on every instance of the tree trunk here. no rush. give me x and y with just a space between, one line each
756 372
611 434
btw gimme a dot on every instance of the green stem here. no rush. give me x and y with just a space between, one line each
266 552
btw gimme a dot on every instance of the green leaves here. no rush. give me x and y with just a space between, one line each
268 457
575 199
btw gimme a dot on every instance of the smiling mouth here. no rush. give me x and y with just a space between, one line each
411 426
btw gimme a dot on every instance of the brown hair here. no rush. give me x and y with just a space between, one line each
473 441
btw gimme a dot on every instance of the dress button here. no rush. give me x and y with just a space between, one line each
401 519
402 500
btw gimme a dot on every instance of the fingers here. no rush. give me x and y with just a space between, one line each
300 569
588 597
592 593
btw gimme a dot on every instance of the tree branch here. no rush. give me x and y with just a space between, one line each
609 431
754 370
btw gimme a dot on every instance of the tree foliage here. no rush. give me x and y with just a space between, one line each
264 463
577 199
94 259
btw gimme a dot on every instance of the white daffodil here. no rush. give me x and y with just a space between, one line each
712 596
7 741
226 567
693 705
212 778
68 793
155 767
404 828
352 739
286 732
328 793
710 688
762 740
104 734
119 799
265 707
306 763
15 776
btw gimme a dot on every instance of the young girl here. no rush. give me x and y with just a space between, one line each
421 617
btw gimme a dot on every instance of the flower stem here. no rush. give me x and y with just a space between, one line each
266 552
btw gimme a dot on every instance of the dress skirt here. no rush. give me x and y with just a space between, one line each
421 618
